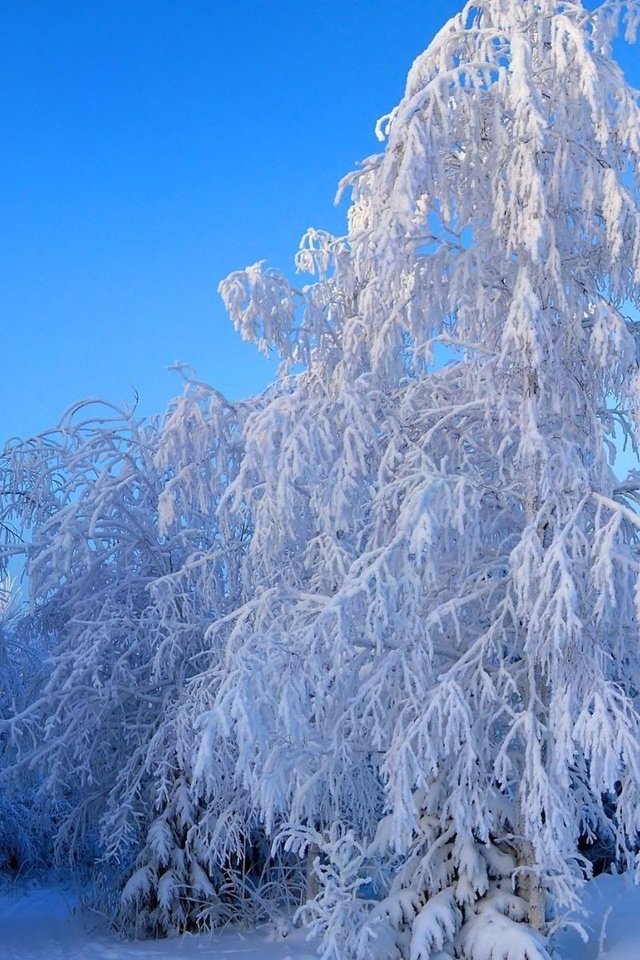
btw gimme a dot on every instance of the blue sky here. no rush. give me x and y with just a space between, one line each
151 147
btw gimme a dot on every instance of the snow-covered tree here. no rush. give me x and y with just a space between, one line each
432 679
25 820
127 565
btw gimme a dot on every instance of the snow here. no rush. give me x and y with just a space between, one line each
613 911
42 923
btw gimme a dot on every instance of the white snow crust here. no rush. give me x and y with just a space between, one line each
42 923
612 922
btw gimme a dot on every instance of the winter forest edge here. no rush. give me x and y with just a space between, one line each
363 651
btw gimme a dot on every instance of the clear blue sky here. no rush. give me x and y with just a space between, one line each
149 147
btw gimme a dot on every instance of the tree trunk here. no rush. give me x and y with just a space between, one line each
528 884
312 884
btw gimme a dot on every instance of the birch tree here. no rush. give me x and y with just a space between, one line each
433 675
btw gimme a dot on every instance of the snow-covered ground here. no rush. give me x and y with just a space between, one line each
613 922
40 924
